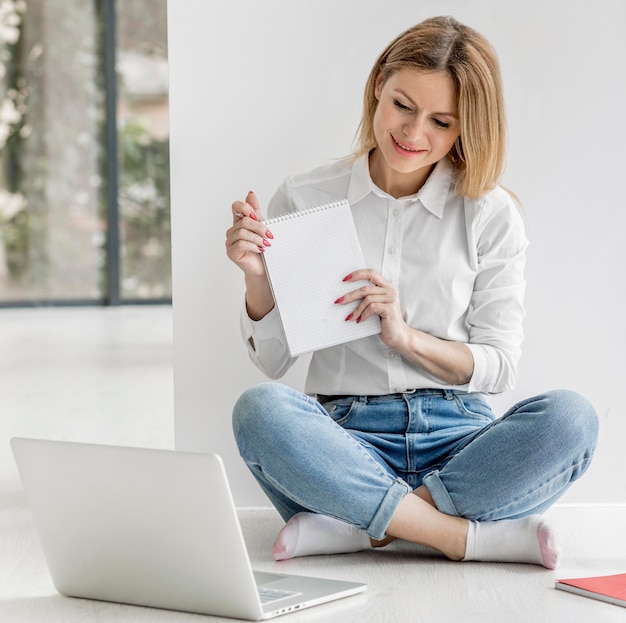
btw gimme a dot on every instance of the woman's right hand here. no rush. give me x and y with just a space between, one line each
247 239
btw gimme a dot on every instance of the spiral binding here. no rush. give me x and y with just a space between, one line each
297 213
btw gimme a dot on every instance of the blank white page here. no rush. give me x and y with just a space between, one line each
312 251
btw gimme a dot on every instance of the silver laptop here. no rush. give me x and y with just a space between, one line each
152 528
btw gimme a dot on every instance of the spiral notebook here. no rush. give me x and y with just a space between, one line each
312 251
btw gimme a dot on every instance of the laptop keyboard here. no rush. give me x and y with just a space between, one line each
269 595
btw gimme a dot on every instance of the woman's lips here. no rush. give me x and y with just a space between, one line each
405 150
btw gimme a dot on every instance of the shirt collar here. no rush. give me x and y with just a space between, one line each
432 195
360 181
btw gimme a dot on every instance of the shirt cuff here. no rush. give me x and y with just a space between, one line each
493 372
268 327
480 381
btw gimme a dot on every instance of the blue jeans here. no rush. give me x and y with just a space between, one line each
356 457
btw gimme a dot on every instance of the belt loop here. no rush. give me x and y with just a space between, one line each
449 394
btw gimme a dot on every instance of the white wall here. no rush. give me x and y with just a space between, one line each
265 88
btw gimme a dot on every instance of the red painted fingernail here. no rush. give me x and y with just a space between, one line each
269 234
349 317
359 320
261 249
347 278
339 300
267 243
252 215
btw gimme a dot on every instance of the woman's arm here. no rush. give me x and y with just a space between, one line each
260 325
451 362
259 300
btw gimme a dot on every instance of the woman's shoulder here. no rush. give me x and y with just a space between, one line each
496 218
323 184
497 197
499 201
321 175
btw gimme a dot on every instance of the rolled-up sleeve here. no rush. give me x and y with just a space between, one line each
496 312
266 344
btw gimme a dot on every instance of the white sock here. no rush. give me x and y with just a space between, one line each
529 540
310 534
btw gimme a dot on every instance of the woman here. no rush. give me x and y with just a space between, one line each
394 437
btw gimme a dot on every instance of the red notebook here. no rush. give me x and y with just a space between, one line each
610 588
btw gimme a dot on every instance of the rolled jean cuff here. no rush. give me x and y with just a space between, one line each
439 493
387 508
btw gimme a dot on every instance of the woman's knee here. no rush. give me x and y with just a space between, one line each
573 418
256 406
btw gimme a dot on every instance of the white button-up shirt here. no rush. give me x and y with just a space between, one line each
458 265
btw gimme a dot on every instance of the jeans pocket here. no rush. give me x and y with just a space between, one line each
341 410
474 406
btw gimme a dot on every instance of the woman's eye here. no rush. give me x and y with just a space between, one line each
400 105
441 124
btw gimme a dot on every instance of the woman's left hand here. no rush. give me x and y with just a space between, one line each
381 298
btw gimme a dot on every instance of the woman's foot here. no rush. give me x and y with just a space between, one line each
528 540
310 534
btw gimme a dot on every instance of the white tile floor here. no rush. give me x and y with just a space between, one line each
105 375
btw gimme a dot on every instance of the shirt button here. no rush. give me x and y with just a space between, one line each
396 212
392 250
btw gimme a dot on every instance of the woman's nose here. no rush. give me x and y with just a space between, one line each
414 128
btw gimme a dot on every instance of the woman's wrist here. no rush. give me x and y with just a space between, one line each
259 299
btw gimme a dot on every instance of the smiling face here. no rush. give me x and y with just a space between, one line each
415 125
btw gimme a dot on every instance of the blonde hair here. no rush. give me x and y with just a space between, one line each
444 44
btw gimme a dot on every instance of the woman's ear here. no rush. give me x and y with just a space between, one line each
378 85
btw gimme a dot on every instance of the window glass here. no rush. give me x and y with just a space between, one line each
143 145
51 233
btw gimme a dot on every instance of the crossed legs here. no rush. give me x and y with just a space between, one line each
337 496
